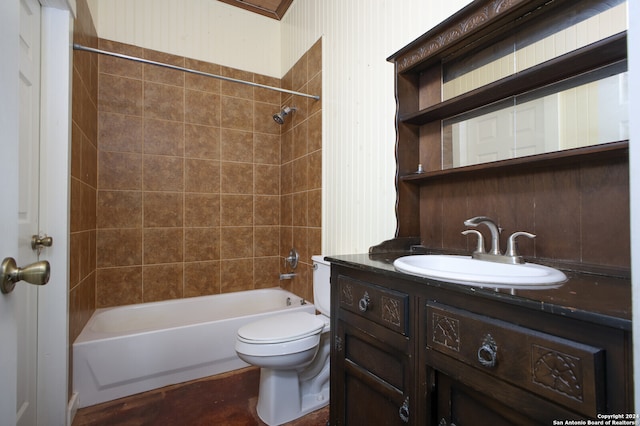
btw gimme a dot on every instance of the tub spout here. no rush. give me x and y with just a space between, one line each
287 276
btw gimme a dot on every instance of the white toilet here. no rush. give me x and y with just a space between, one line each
293 353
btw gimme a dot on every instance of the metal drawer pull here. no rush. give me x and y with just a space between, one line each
365 303
488 352
403 412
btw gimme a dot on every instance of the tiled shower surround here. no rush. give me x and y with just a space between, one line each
195 180
195 190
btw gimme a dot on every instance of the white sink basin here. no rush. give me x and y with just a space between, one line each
468 271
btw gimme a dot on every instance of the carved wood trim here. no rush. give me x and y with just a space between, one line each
391 311
557 371
461 25
446 331
346 295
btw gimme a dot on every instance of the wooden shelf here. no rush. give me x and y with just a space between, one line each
591 57
608 150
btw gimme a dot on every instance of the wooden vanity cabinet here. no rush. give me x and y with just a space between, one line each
407 351
483 367
373 353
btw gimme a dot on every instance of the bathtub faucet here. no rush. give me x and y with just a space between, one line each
287 276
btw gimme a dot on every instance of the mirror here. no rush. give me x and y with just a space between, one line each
575 114
588 109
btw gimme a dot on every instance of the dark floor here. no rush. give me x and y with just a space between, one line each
228 399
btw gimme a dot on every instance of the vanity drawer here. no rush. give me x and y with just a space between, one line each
385 307
566 372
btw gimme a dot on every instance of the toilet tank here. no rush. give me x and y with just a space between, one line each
321 284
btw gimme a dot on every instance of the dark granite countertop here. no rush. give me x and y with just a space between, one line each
595 298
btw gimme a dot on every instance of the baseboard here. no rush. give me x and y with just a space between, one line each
72 408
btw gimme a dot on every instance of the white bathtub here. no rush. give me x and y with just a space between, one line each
131 349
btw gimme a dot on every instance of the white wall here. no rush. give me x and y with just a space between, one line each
358 106
208 30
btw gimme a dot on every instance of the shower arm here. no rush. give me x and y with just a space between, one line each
192 71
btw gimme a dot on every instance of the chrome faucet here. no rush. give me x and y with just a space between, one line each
495 255
495 231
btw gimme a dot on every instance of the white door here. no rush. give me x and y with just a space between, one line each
54 104
9 100
21 216
26 295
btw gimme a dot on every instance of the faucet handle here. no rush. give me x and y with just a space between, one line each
480 245
512 243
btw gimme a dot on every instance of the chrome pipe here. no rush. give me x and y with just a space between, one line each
192 71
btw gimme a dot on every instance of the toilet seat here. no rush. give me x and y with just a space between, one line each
281 328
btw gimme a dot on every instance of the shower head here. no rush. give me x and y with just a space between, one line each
279 116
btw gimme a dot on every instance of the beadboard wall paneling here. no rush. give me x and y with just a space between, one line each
207 30
358 105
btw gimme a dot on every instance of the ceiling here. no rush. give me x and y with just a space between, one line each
272 8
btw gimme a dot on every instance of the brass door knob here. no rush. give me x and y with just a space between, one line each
37 273
37 242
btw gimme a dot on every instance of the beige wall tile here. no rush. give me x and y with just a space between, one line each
236 114
201 244
202 176
266 210
202 141
236 210
119 209
236 275
201 210
163 137
264 122
119 170
236 178
162 282
163 245
236 242
163 209
266 272
266 148
118 247
160 74
201 278
117 66
202 108
236 145
314 206
119 132
265 95
120 94
118 286
163 173
267 179
163 102
234 89
266 241
203 83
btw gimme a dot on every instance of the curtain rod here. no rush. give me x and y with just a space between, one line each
189 70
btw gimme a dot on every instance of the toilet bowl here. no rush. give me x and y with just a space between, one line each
292 351
288 341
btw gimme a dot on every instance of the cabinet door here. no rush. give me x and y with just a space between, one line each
459 405
373 380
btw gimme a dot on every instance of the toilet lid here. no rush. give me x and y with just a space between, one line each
281 328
